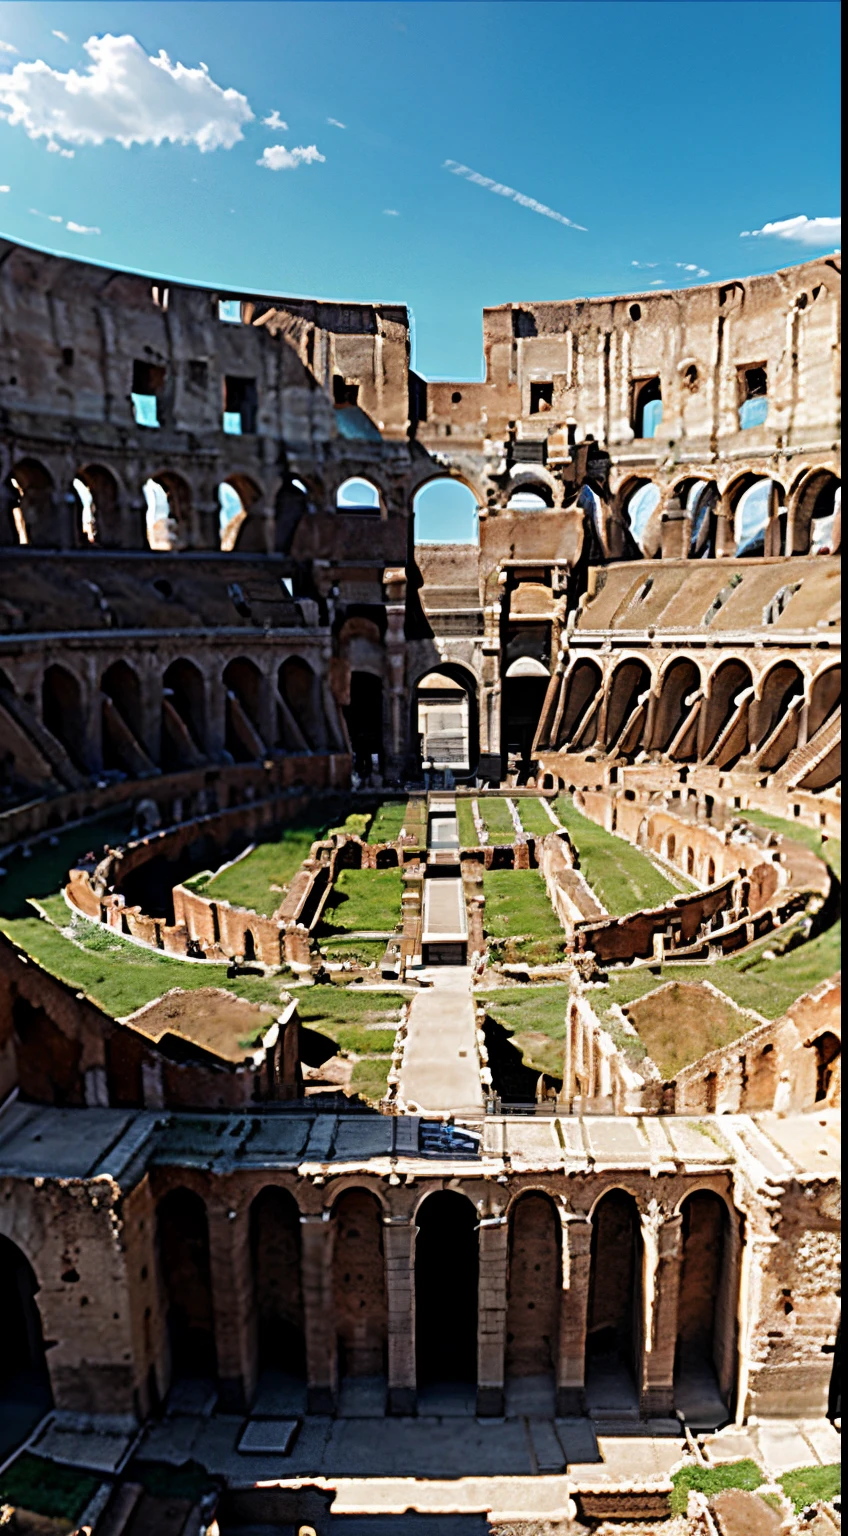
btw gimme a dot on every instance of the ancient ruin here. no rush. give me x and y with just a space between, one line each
419 971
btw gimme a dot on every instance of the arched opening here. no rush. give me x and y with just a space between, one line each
702 499
122 720
359 1286
628 683
669 846
183 716
776 715
445 511
647 407
249 945
533 1298
762 1080
725 713
523 693
278 1297
364 716
583 690
828 1049
825 696
32 503
614 1319
24 1383
639 508
61 711
97 511
758 512
705 1311
168 518
242 681
236 497
530 496
689 860
710 871
817 515
679 686
443 707
594 543
446 1265
300 722
183 1236
358 496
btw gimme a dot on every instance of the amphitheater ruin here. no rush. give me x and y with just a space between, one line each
419 961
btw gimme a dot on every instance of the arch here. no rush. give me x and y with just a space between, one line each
25 1393
183 715
364 717
62 712
816 509
358 495
530 496
825 695
534 1287
300 722
688 860
168 520
828 1049
446 511
446 1277
359 1285
781 698
33 508
710 871
701 503
722 706
182 1231
647 407
614 1317
628 682
98 518
669 846
582 688
759 516
275 1248
679 683
122 719
243 684
444 724
640 506
706 1308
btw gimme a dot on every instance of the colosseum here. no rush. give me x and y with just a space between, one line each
488 1180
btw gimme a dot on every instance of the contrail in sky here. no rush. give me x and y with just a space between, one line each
517 197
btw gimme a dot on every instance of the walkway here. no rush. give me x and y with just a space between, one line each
440 1068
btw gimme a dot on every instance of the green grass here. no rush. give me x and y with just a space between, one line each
360 952
519 918
344 1017
388 822
45 1488
249 882
363 900
370 1079
535 1017
710 1480
468 834
830 851
623 879
354 825
533 816
494 813
807 1484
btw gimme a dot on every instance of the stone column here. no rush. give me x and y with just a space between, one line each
662 1288
574 1308
491 1314
399 1245
317 1234
725 535
232 1301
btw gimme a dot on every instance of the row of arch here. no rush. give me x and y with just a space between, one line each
762 519
687 715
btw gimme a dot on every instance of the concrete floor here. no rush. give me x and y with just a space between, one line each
440 1068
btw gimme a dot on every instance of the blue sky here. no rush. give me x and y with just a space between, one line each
663 129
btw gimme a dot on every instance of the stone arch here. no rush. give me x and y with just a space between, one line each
815 510
169 511
582 690
679 683
529 493
641 504
98 507
123 719
33 504
614 1316
24 1381
62 711
724 715
360 1303
628 682
275 1247
446 1279
669 846
244 686
444 722
183 715
359 495
758 515
445 509
182 1230
700 500
828 1050
706 1306
240 525
293 500
300 721
825 695
534 1289
647 410
710 871
687 860
776 713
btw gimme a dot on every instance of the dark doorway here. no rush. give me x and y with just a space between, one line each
61 711
703 1279
446 1266
275 1247
614 1324
523 701
24 1383
184 1255
828 1050
364 715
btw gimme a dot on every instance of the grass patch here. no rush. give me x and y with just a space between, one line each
469 837
533 817
682 1024
621 877
830 851
354 825
494 813
710 1480
360 952
189 1481
370 1079
259 881
46 1488
519 919
807 1484
363 900
535 1018
388 823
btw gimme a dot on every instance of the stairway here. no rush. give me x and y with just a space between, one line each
801 763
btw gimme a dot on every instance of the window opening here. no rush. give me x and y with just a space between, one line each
229 310
240 404
641 507
357 495
753 396
345 391
87 517
541 396
647 407
147 381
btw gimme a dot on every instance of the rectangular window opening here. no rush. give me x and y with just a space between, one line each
240 405
229 310
541 396
345 391
147 381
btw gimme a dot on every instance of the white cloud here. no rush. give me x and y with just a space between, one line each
644 265
55 218
56 149
62 36
273 120
82 229
802 230
275 157
334 123
5 189
8 48
125 96
391 213
692 266
657 282
502 191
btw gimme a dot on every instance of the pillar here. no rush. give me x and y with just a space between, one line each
399 1247
574 1310
664 1252
491 1314
317 1234
232 1302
